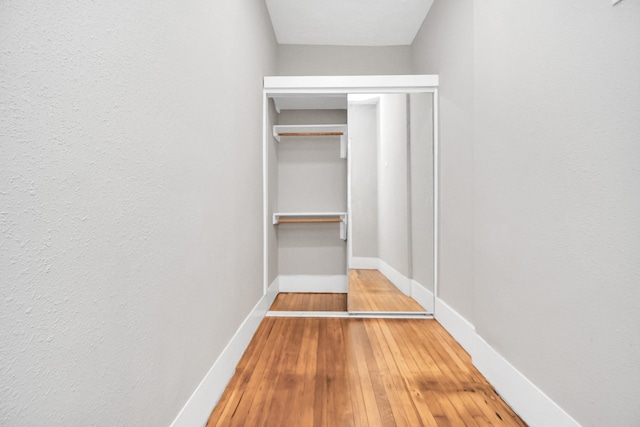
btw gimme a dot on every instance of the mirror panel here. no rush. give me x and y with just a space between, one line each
391 203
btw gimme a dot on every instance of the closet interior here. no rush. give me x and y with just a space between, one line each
309 194
346 206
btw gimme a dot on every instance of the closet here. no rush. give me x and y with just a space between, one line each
309 195
308 218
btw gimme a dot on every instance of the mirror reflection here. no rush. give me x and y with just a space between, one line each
390 203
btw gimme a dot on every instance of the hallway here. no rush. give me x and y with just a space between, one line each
358 372
132 210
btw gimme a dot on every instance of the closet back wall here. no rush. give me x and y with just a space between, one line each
311 178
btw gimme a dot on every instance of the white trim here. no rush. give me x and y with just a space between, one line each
309 85
523 396
459 327
422 295
364 263
322 314
527 400
313 283
280 129
401 282
349 84
199 406
436 192
349 215
265 192
275 286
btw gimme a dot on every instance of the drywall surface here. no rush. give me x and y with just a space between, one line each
130 202
444 46
557 200
311 178
272 182
420 155
393 239
306 60
363 158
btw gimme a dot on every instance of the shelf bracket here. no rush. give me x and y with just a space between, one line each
343 227
343 146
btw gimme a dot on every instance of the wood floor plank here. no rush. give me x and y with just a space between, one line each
305 375
351 348
420 377
246 368
284 382
309 302
482 392
371 291
339 401
405 411
358 372
364 375
321 397
448 386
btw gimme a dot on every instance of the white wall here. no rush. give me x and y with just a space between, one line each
421 187
557 200
553 93
393 243
363 157
305 60
444 46
130 202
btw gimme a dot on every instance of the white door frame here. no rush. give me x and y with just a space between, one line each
344 85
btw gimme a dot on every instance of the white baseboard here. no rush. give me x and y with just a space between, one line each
198 408
422 295
401 282
527 400
459 327
312 283
364 263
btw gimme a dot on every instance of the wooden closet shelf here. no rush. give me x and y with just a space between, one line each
311 133
302 220
339 130
313 217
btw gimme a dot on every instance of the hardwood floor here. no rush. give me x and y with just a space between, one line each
358 372
309 302
371 291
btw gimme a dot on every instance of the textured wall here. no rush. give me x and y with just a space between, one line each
557 199
304 60
130 202
444 46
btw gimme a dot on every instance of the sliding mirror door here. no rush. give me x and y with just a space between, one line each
391 257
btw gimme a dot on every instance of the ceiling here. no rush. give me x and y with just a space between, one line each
347 22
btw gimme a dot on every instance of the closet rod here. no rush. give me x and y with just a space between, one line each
311 134
310 220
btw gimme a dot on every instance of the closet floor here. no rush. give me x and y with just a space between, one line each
358 372
309 302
